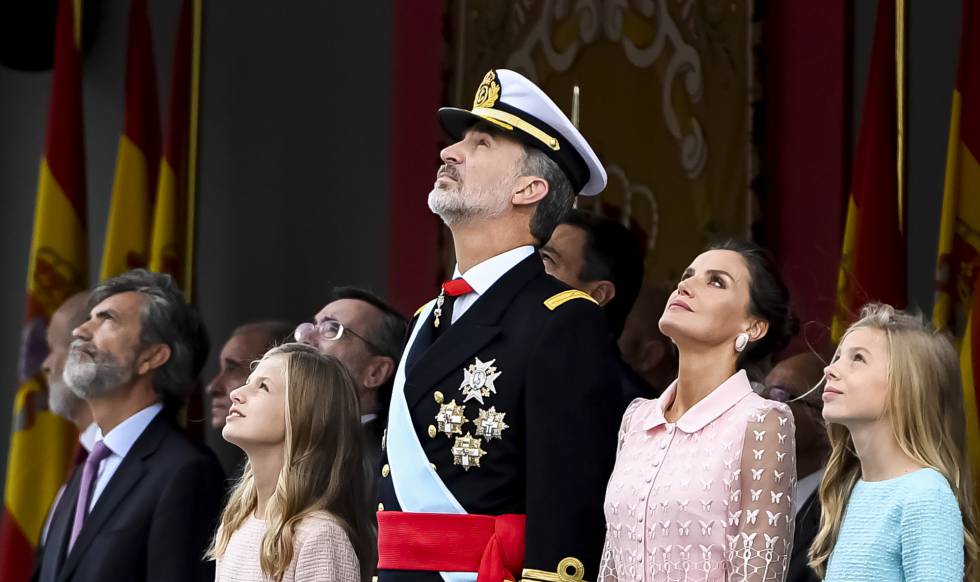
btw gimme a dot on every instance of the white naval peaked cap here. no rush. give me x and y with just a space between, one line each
513 103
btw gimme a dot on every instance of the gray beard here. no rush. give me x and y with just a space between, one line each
94 377
62 400
458 207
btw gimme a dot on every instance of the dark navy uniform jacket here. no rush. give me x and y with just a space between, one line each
561 395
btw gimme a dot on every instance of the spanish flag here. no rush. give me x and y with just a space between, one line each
957 306
172 244
873 261
127 238
41 443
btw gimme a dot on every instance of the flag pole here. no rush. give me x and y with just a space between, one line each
900 86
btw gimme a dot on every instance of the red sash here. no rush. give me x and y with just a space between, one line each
492 546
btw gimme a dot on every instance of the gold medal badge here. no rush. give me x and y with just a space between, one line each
478 380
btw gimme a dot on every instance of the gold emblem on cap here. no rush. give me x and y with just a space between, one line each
451 418
467 452
488 92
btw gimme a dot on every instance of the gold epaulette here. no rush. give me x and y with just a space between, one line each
554 301
562 574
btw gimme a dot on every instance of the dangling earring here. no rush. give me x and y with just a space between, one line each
741 340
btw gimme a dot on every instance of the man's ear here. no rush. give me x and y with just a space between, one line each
378 371
152 358
529 190
602 291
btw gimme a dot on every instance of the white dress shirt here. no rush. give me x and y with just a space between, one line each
804 488
119 440
483 275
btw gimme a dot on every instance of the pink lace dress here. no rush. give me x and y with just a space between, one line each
706 498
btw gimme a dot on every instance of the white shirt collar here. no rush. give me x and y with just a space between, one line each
366 418
483 275
121 438
88 436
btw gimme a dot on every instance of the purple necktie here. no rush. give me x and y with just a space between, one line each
97 455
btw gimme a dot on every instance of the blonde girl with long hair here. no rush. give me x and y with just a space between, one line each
897 493
300 511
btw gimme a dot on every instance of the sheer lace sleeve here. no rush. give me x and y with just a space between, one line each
763 541
607 567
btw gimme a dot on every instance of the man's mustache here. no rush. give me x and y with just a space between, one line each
449 171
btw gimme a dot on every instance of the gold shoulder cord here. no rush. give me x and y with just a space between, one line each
555 301
560 575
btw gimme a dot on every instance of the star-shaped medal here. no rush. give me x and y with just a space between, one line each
490 424
451 418
467 452
478 380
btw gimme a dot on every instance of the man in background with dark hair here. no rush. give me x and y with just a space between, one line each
144 504
644 347
248 343
367 335
601 257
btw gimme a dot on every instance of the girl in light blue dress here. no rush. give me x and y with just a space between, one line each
896 494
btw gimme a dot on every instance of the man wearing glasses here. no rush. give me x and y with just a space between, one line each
367 335
792 381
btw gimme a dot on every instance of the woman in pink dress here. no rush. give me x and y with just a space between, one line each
704 474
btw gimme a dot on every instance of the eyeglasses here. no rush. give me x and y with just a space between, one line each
328 330
780 394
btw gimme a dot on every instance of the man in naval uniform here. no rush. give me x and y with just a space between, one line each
504 413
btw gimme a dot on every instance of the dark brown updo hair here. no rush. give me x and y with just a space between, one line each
769 301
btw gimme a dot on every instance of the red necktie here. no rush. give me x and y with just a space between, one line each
457 287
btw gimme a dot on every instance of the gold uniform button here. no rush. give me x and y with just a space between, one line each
438 397
386 470
432 431
381 507
433 465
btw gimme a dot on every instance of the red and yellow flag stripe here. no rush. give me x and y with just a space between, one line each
873 260
172 244
127 239
957 305
41 443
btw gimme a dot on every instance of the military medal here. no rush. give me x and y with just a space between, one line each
451 418
467 452
478 380
437 312
490 424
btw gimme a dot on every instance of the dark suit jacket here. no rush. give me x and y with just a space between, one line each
561 392
152 522
807 524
